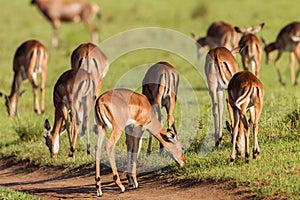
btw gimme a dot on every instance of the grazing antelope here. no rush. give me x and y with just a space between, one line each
57 11
245 93
287 40
220 66
73 95
89 57
30 59
219 34
250 48
160 86
122 109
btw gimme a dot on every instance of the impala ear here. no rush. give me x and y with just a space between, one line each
171 135
194 36
238 30
3 96
257 28
47 127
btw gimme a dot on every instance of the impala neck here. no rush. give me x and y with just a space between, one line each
157 131
271 47
202 41
14 94
40 5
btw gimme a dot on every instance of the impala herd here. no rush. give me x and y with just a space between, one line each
77 91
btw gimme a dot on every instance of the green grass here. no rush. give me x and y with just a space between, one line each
274 173
8 194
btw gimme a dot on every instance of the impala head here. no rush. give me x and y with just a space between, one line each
240 144
252 29
52 141
11 102
174 146
200 42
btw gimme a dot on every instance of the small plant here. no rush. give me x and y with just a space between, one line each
28 132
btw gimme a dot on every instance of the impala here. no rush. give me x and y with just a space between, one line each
57 11
220 66
250 48
122 109
160 86
245 93
89 57
31 59
219 34
287 40
73 95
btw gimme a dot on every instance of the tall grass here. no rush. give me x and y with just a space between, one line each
274 173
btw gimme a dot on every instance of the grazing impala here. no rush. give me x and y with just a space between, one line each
31 58
245 93
122 109
219 34
220 66
250 48
89 57
73 95
57 11
160 86
287 40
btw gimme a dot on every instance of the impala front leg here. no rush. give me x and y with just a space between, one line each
292 62
277 68
133 141
55 25
43 80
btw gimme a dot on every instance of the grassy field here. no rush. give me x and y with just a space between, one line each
275 173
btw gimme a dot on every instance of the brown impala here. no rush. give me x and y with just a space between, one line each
287 40
250 48
73 97
57 11
245 93
124 110
31 59
219 34
160 86
220 66
89 57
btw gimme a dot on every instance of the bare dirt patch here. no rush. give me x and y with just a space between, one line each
53 183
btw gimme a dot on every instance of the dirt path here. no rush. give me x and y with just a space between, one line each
48 183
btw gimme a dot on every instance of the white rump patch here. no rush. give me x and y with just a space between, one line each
107 122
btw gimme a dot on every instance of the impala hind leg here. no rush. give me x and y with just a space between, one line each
86 124
220 116
32 77
110 148
98 148
234 136
213 96
255 113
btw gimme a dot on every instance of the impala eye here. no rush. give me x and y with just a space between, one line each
183 149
